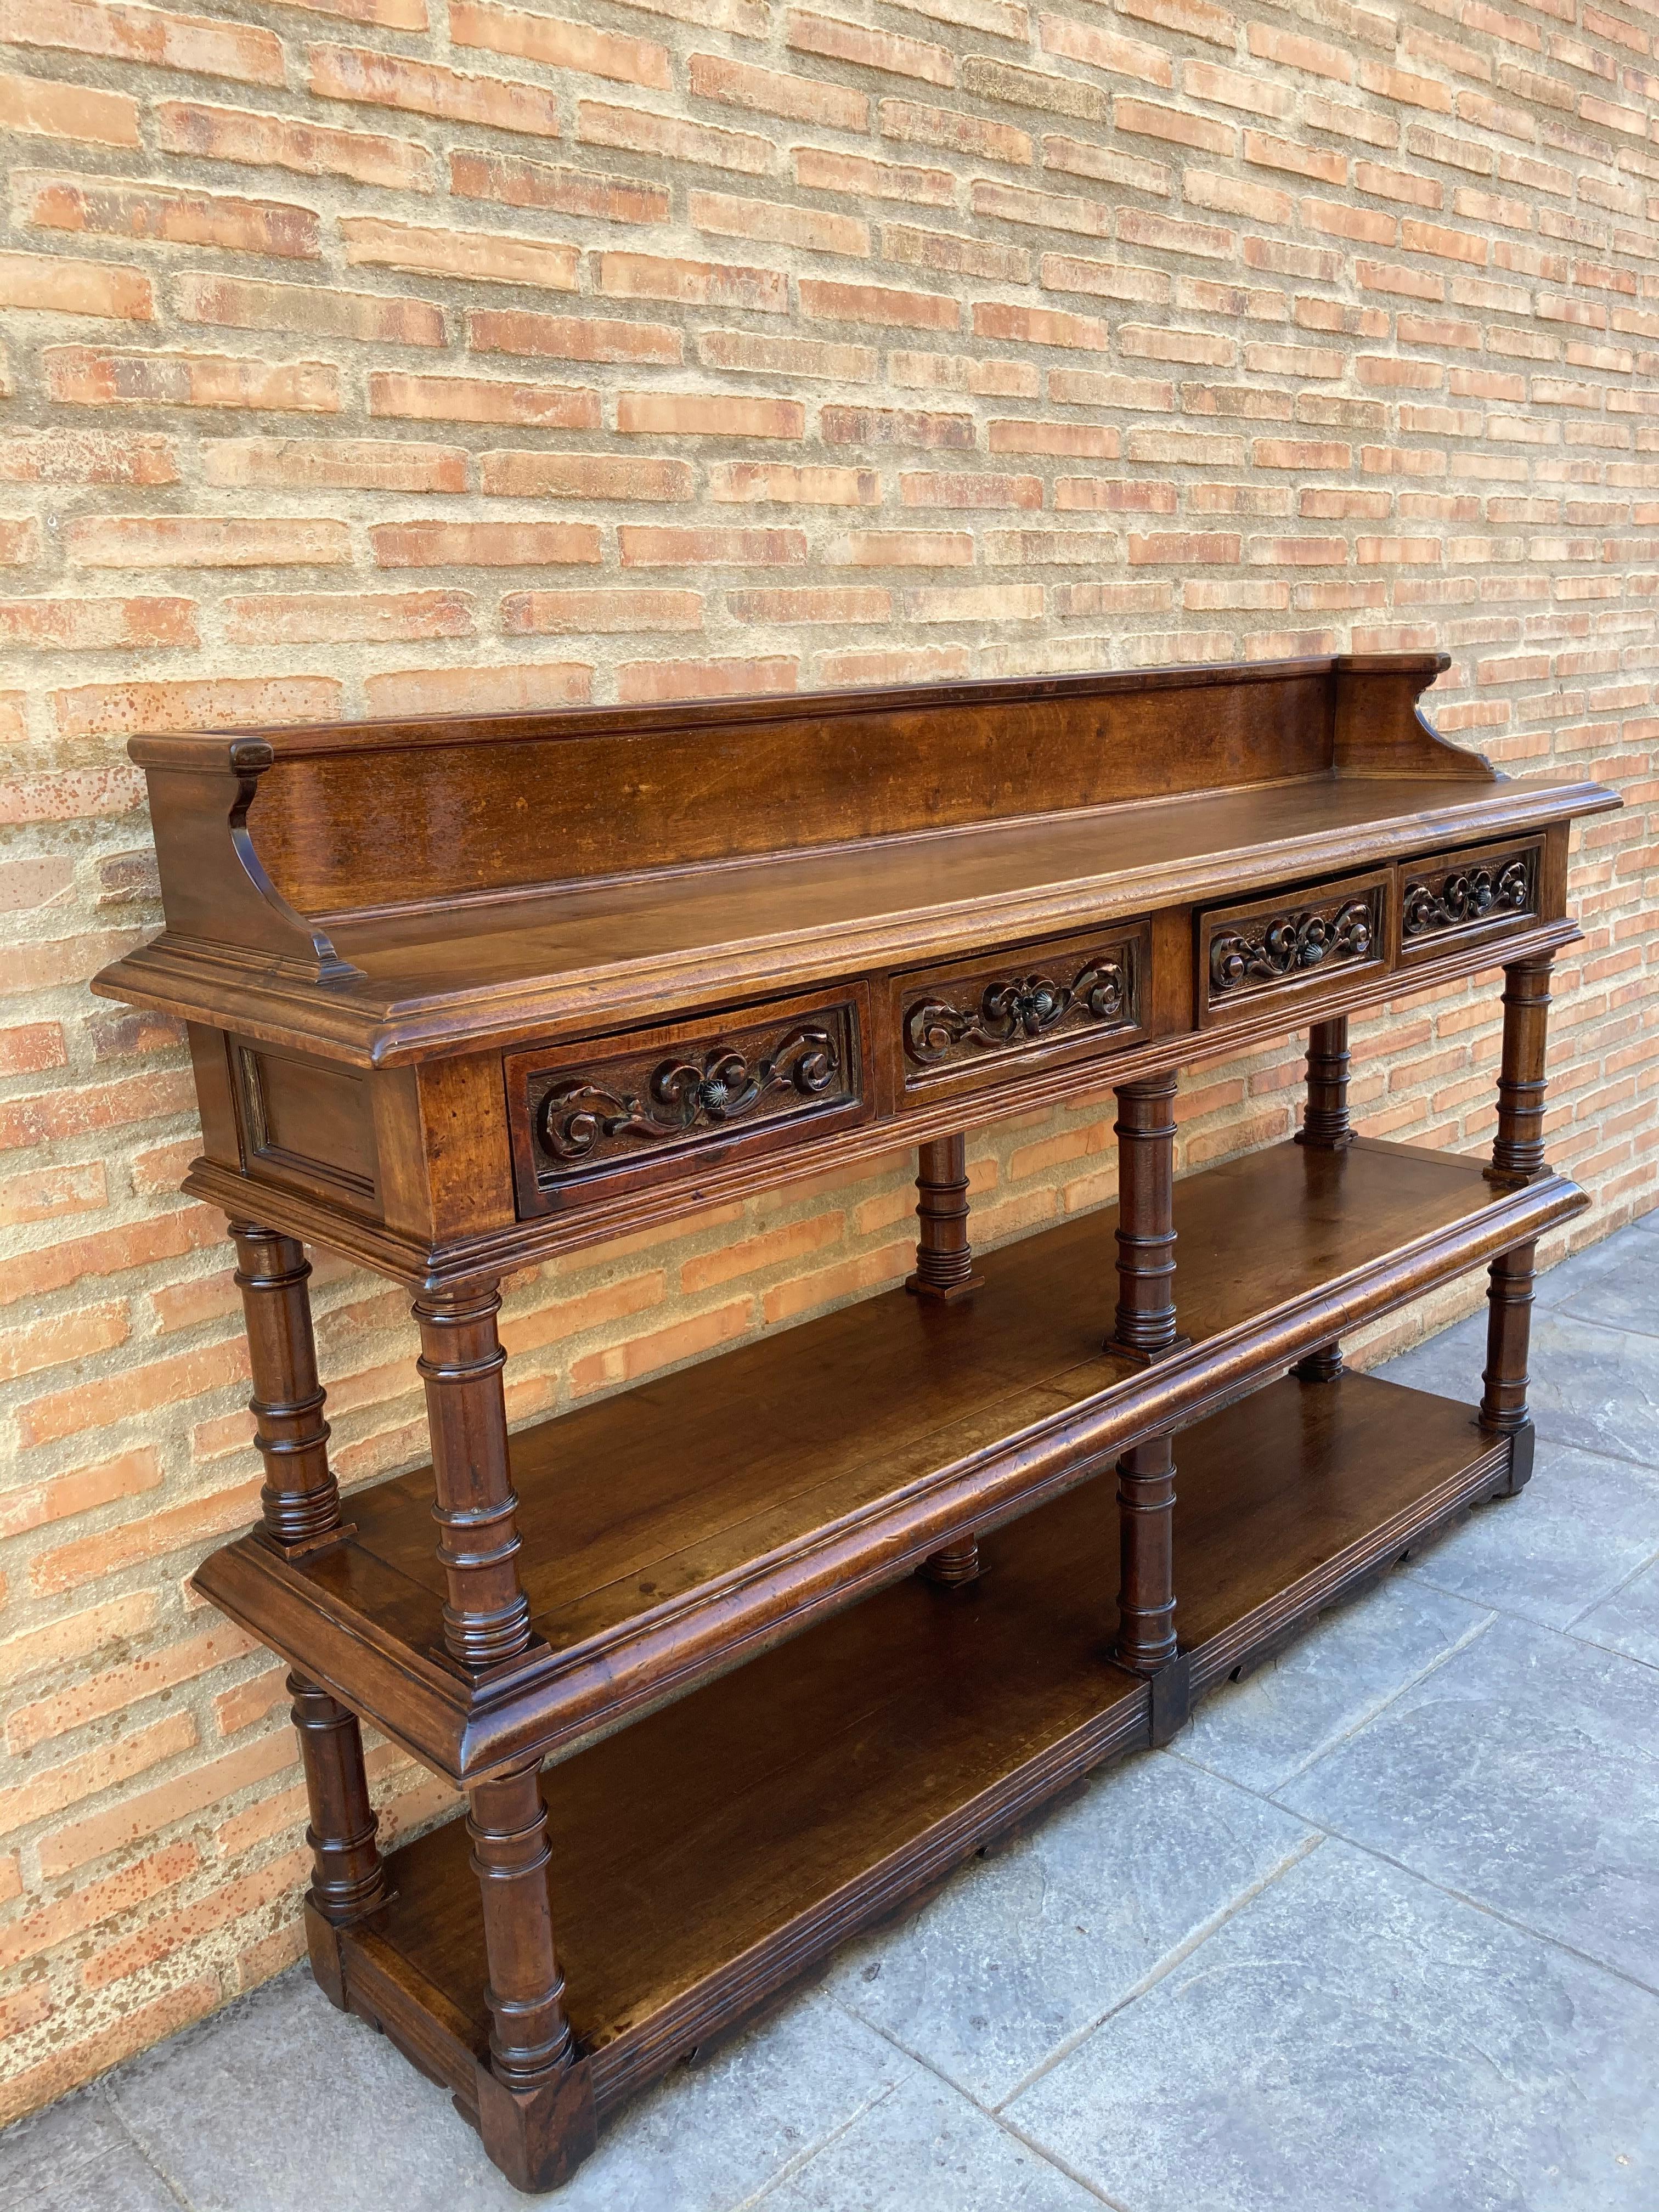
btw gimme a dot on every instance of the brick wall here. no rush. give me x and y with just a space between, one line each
369 355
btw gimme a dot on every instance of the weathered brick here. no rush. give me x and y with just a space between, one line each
39 108
360 74
482 399
480 256
116 32
513 182
570 337
52 286
284 141
484 544
91 376
310 310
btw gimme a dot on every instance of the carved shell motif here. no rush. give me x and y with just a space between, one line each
1014 1007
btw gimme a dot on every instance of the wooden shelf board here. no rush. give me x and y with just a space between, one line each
643 1496
712 1853
607 948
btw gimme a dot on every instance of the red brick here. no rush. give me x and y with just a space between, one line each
348 617
513 181
315 310
540 614
90 376
863 48
816 229
700 414
787 483
563 46
116 32
872 303
53 286
954 133
482 399
480 691
98 625
484 544
204 541
359 73
570 337
662 545
583 475
671 138
113 209
483 257
642 681
817 169
801 99
39 108
288 142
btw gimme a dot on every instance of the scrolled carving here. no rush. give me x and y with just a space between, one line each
1013 1007
681 1096
1462 895
1284 946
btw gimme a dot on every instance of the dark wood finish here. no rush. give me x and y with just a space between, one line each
349 1883
1481 895
805 1624
713 1854
1144 1325
945 1258
590 1120
486 1616
1325 1121
1146 1598
872 1436
1285 946
299 1500
1518 1149
953 1563
964 1025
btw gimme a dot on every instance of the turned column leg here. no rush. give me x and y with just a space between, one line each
301 1498
953 1563
1145 1326
529 2037
1518 1152
486 1614
1326 1128
1325 1124
1146 1601
1517 1155
945 1258
349 1880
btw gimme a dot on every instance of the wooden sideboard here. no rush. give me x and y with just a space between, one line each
796 1630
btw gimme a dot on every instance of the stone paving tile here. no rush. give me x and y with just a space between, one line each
1628 1621
1579 1530
927 2149
1593 1387
1523 1773
1026 1950
77 2157
1263 1729
1615 1283
328 2115
1357 2041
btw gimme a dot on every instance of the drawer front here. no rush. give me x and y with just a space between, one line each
1289 947
998 1016
1451 899
591 1119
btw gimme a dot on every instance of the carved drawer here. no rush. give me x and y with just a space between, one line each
997 1016
1452 899
1290 945
610 1114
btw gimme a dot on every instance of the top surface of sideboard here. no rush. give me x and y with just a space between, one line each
382 894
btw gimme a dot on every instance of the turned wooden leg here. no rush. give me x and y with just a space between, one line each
535 2098
530 2037
945 1258
301 1498
1146 1601
1145 1326
486 1614
1323 1365
1509 1330
1325 1124
349 1880
1518 1152
953 1563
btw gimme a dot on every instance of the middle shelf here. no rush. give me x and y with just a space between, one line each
682 1526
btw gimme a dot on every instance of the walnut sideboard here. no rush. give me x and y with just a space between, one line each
794 1631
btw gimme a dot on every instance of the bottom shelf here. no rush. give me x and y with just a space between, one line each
706 1856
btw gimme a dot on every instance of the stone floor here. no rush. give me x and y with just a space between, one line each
1382 1931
